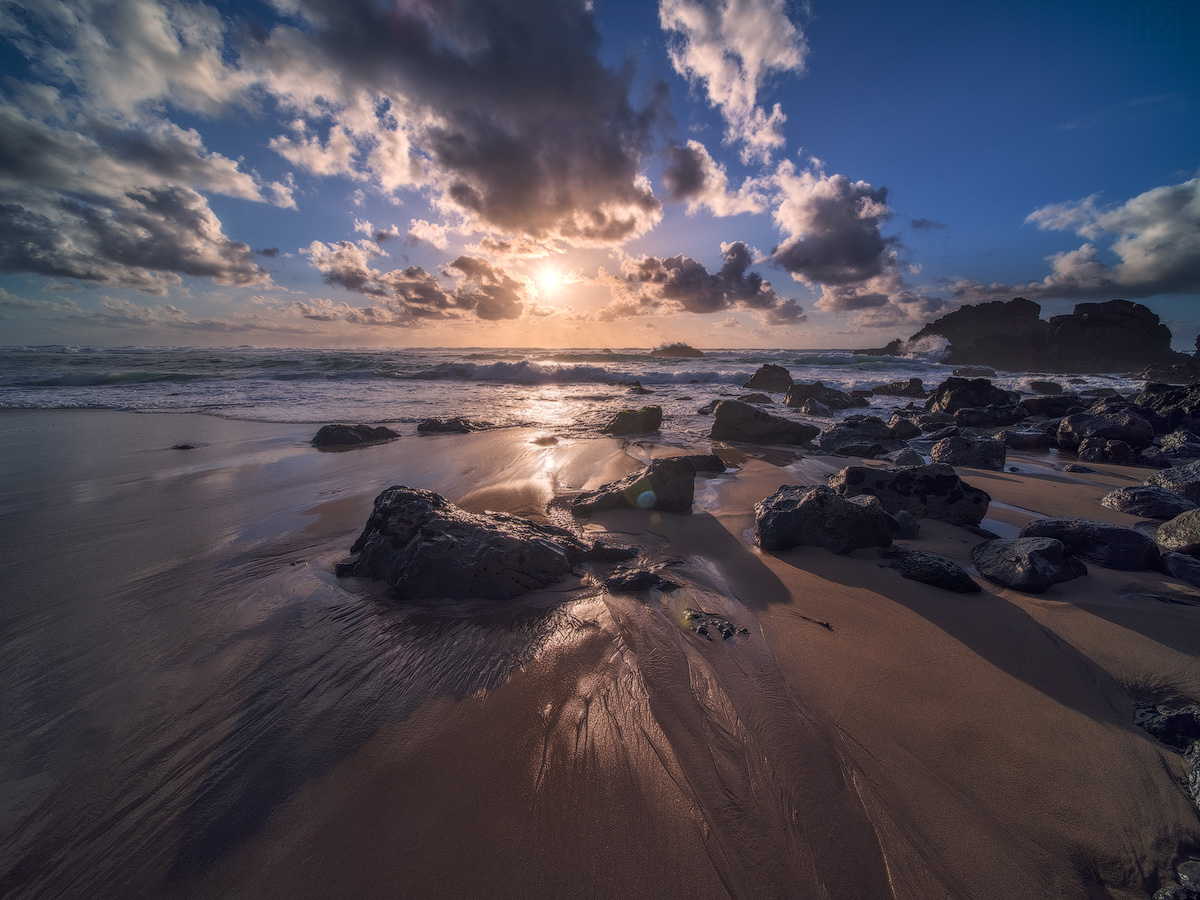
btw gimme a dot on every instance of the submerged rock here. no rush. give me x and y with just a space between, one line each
927 568
815 516
677 350
1029 564
1111 546
635 421
455 425
666 484
928 492
426 548
734 421
351 435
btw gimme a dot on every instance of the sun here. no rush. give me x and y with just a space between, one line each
549 280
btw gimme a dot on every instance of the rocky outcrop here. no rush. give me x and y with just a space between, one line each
954 394
1179 407
903 429
1183 480
927 568
635 421
833 398
426 548
1111 546
914 387
1030 564
928 492
1119 425
961 451
815 516
666 484
676 351
770 377
1181 534
866 437
351 435
734 421
1147 500
1095 337
456 425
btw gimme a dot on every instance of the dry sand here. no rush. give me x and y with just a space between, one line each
871 737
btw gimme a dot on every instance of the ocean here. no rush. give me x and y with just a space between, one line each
574 391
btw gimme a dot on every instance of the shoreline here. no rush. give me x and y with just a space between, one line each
923 744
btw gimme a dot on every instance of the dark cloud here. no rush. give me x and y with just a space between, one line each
686 171
490 291
268 252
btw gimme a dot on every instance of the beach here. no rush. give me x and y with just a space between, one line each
197 707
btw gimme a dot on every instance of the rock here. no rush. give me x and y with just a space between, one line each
1178 728
903 429
734 421
755 398
910 525
935 421
942 433
893 348
862 436
1026 440
914 387
815 516
636 388
961 451
960 393
426 548
1099 450
1153 458
816 408
189 446
1181 534
1029 564
831 397
1110 426
926 568
1191 758
905 457
708 408
703 463
676 351
1054 407
974 372
1045 387
632 581
1147 500
707 624
666 484
635 421
770 377
1180 565
351 435
1180 444
1183 480
1178 406
1076 469
456 425
928 492
1111 546
988 416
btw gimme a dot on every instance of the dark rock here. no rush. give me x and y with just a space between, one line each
934 421
632 581
974 372
351 435
676 351
1183 480
1178 728
928 492
1045 387
636 388
1178 406
185 447
1181 534
961 451
816 408
1180 444
635 421
863 436
1178 373
708 408
1147 500
893 348
733 421
914 387
1153 458
942 433
1054 407
903 429
1110 426
1029 564
861 394
770 377
456 425
707 624
1111 546
960 393
1180 565
910 525
666 484
988 416
927 568
1191 758
755 398
1075 468
1099 450
703 463
1025 440
831 397
426 548
814 515
905 457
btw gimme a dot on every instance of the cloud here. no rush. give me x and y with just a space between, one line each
691 174
680 284
434 235
731 47
1153 245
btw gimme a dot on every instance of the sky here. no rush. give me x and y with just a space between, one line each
588 173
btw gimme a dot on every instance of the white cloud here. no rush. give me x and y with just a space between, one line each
692 175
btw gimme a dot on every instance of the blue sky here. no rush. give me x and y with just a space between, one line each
558 173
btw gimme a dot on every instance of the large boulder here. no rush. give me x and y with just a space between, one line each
903 429
1183 480
734 421
1147 500
666 484
1181 534
960 393
928 492
831 397
862 436
913 387
1111 546
1118 425
1025 440
1180 444
426 548
927 568
1053 407
1099 450
1029 564
961 451
815 516
1179 406
770 377
635 421
453 425
351 435
1180 565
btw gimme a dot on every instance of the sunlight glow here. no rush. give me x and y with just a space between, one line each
549 280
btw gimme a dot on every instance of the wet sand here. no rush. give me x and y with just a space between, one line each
195 707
